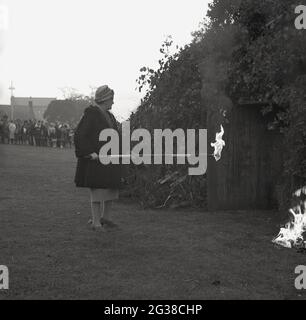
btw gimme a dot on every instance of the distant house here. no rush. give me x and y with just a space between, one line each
29 108
5 109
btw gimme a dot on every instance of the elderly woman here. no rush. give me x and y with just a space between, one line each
102 180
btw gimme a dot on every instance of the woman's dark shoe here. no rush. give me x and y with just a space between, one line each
96 228
109 224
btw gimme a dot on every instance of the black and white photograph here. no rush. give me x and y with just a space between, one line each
153 151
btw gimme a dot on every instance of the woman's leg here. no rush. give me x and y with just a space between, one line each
96 213
106 215
106 207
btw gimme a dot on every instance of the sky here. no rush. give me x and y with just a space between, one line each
47 45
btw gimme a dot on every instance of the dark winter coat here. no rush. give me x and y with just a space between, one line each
90 173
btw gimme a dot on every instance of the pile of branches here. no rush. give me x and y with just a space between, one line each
161 187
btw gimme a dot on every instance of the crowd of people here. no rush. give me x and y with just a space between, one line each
36 133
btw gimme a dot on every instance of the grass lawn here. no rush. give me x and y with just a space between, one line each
177 254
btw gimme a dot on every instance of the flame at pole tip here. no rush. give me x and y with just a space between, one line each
219 144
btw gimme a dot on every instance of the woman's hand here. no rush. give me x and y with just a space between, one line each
94 157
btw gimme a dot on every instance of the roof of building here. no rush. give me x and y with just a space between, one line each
24 101
24 110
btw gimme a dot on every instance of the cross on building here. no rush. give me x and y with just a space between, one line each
11 88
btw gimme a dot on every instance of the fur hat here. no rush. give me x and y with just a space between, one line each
103 93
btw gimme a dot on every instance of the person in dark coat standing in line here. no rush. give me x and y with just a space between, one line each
102 180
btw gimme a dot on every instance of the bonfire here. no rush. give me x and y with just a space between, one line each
292 235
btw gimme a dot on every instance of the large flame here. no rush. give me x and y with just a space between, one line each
219 144
292 234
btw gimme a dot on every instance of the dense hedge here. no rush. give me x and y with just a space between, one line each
244 51
268 64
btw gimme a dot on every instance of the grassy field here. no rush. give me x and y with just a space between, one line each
178 254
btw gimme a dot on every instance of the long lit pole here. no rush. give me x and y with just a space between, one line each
11 88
